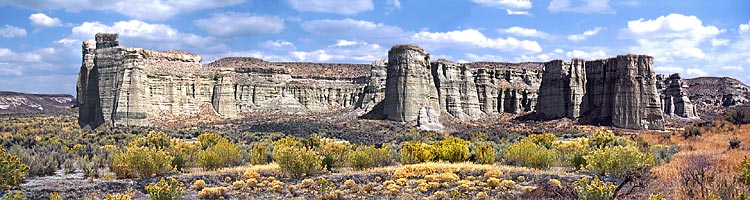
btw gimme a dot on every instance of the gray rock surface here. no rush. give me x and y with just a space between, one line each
410 92
617 91
674 96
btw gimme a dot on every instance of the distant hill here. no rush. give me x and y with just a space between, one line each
712 95
15 102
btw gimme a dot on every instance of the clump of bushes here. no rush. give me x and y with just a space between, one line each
663 153
451 149
413 152
217 152
141 162
617 161
294 159
213 193
333 152
529 153
595 189
483 154
164 190
118 196
572 152
260 154
744 175
12 170
366 156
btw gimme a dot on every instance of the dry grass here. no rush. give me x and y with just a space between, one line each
713 143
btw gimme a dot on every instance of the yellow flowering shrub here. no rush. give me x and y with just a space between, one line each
595 189
165 190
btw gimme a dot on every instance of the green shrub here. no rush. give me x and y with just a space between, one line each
545 140
259 154
221 154
334 153
602 139
183 153
451 149
744 175
54 196
141 162
158 140
594 189
360 160
287 142
572 152
210 139
297 161
415 152
617 161
663 153
380 156
118 196
209 160
14 195
692 131
483 154
164 190
12 170
529 154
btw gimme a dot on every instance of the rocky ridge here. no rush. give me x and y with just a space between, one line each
15 102
132 86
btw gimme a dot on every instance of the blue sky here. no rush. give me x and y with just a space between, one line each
40 41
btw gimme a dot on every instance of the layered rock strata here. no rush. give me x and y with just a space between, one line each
674 98
133 86
618 91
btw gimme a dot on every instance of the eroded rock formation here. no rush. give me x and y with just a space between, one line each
674 97
618 91
132 86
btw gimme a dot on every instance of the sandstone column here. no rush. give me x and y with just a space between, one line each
411 95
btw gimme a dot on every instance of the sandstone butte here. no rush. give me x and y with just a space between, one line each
132 87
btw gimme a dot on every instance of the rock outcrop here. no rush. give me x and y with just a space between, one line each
617 91
15 102
133 86
674 98
711 95
410 92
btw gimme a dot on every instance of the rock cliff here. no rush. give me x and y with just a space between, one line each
15 102
674 96
618 91
711 95
133 86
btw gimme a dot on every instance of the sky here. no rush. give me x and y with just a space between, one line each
40 40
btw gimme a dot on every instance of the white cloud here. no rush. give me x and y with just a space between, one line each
471 38
719 42
150 36
672 37
733 68
668 69
696 72
138 9
744 28
486 57
240 24
558 51
344 51
514 4
585 34
592 55
278 45
12 32
358 29
345 7
513 12
43 21
524 32
581 6
392 5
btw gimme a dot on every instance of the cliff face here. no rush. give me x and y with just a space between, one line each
14 102
618 91
132 86
711 95
674 96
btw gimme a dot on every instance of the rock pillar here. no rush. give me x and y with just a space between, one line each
411 95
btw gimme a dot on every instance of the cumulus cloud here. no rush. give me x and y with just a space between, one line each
392 5
278 45
343 51
470 57
512 7
585 34
719 42
581 6
733 68
744 28
696 72
591 55
40 20
524 32
471 38
137 9
344 7
358 29
150 36
12 32
240 24
670 37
